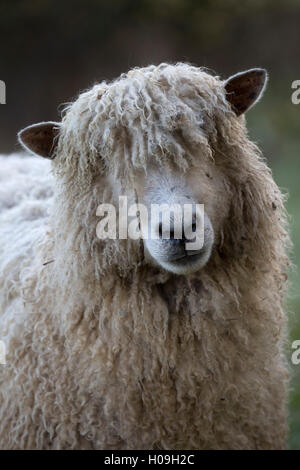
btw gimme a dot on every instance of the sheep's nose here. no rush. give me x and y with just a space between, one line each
177 236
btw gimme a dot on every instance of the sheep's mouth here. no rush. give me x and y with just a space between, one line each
188 262
186 257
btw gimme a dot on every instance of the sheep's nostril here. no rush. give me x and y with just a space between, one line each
160 230
172 234
166 236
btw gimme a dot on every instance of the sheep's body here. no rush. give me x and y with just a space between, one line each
25 196
106 352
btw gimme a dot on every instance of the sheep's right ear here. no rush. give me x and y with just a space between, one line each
40 139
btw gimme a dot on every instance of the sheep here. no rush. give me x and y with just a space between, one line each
134 344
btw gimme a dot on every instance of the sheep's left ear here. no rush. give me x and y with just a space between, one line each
40 138
244 89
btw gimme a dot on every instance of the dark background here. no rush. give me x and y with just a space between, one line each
52 50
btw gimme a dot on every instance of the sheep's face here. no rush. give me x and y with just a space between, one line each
157 132
184 232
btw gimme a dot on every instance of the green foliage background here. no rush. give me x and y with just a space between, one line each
51 49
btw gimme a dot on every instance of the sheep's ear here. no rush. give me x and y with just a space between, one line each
244 89
40 138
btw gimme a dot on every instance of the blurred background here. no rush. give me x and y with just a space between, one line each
51 50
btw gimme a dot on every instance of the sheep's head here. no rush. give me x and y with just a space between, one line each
162 135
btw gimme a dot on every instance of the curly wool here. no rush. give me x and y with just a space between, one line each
107 352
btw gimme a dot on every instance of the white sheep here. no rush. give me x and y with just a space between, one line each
108 347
